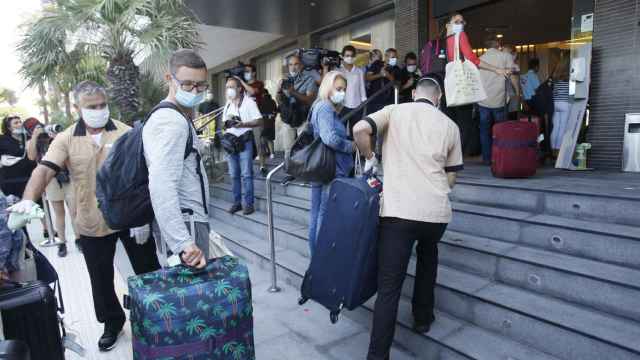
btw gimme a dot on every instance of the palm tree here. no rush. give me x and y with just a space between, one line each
121 32
233 297
222 287
154 299
166 311
196 325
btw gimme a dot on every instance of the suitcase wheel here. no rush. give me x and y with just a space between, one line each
302 300
333 316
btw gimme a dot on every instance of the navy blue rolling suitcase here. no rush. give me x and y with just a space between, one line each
343 270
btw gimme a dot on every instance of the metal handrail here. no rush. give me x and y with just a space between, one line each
271 231
270 226
375 95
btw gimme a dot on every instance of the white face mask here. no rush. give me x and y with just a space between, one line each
338 97
412 68
231 93
393 61
457 28
293 73
96 119
349 60
248 76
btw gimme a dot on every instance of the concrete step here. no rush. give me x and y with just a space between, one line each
610 243
580 198
545 272
450 338
578 332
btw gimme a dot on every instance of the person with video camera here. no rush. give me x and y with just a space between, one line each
295 97
43 136
241 115
379 74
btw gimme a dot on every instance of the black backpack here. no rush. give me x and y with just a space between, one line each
542 100
122 182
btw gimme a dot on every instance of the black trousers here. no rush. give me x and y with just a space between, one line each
397 237
99 253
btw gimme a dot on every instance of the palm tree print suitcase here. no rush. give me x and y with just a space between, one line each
182 313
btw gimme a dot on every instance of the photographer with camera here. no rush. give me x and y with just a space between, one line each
241 115
295 97
379 74
44 135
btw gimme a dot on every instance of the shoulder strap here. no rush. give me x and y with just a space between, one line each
189 147
169 105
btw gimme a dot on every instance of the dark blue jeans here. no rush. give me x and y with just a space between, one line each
488 117
241 171
319 196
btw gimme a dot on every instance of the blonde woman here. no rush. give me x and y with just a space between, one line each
332 131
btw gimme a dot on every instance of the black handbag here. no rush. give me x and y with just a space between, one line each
310 159
232 144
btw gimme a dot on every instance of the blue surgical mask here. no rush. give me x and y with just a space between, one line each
189 99
457 28
338 97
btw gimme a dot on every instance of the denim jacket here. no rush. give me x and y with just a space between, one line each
333 132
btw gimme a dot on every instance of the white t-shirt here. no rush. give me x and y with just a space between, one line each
248 112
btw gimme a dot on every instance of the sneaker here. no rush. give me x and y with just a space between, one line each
235 208
264 171
62 250
272 156
109 339
421 328
287 180
248 210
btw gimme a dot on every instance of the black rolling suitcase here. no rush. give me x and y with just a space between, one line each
30 314
14 350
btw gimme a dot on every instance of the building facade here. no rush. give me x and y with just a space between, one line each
548 29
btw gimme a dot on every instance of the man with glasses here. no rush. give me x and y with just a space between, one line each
177 179
81 149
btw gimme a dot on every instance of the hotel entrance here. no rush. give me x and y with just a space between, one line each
556 33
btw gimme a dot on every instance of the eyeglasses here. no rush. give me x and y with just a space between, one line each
188 85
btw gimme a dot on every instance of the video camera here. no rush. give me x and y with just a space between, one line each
316 58
237 70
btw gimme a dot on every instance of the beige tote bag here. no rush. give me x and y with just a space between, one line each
462 81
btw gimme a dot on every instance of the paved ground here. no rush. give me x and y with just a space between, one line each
283 329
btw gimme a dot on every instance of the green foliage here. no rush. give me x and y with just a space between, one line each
8 96
76 40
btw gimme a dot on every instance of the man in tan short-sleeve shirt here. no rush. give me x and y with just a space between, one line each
81 149
421 153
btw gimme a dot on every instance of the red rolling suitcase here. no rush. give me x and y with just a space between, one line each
514 153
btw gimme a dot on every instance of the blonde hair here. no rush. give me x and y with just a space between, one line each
324 93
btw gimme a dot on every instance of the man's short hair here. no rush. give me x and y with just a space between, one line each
185 57
88 88
411 56
491 42
349 48
534 63
288 58
428 86
253 67
393 50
